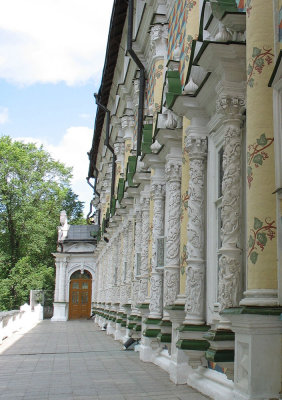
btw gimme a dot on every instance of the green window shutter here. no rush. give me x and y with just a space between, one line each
174 87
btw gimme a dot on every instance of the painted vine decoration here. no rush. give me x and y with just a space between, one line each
260 234
184 204
259 59
190 4
183 259
256 155
249 7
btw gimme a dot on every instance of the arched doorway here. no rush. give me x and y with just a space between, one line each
80 295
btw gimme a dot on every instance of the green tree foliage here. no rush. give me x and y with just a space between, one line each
33 190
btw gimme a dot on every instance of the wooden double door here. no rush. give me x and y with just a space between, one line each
80 298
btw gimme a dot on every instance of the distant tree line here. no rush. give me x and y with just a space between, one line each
34 188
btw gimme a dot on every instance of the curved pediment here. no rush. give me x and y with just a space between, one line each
80 248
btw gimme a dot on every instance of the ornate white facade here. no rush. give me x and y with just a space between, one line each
190 229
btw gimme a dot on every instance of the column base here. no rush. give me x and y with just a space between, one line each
257 352
60 311
260 298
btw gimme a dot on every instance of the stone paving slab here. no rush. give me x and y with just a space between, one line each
74 360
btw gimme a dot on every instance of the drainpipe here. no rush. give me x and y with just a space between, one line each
142 74
107 144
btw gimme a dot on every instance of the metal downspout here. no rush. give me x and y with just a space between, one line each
141 67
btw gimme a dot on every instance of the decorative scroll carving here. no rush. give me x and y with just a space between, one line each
158 195
229 274
231 188
145 235
156 298
143 290
171 285
228 281
195 272
173 172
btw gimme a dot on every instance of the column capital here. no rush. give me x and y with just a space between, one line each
196 147
158 190
173 169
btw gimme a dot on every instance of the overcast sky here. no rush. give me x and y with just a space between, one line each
51 60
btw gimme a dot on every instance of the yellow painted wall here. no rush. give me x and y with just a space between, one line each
261 224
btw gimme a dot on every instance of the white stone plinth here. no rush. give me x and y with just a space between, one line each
257 356
60 312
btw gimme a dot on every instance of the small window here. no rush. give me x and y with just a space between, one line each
138 264
220 172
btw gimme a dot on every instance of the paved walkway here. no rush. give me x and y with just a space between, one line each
75 360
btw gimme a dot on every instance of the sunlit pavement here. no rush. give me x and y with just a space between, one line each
75 360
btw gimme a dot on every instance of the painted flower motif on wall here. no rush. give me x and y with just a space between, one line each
260 58
259 236
256 155
184 204
183 259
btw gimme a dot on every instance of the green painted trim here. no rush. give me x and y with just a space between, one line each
177 307
164 337
222 6
251 310
193 328
123 324
147 139
165 323
137 318
143 306
152 321
119 320
219 335
131 325
151 332
174 87
120 191
192 344
137 328
220 355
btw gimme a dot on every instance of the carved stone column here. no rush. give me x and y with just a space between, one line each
195 271
230 262
62 285
172 259
123 297
129 262
158 36
137 259
156 291
143 289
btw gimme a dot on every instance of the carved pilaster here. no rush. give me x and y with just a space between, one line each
156 288
172 261
127 125
195 271
230 262
143 291
156 294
